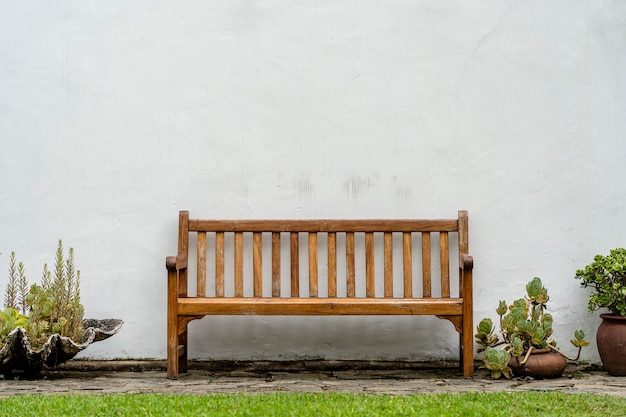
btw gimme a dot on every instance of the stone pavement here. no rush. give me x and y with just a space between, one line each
108 377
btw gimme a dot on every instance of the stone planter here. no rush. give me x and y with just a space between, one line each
17 355
542 363
611 340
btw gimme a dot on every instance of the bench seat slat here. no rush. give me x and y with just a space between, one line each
444 263
407 263
332 264
370 277
257 263
313 283
295 264
275 264
201 259
388 264
350 266
426 266
219 264
238 264
319 226
318 306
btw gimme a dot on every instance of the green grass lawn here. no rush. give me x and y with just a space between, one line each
303 405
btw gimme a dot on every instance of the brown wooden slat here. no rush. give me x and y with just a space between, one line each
463 232
275 264
313 265
466 264
370 279
350 266
201 261
183 248
444 261
388 264
407 263
238 264
295 264
219 264
172 324
257 263
320 306
332 264
426 265
373 225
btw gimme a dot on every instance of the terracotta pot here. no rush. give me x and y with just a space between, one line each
542 363
611 339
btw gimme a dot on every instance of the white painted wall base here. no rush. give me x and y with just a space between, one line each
115 115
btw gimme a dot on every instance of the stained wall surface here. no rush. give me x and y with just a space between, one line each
115 115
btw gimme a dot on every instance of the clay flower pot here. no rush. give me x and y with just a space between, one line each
17 355
611 340
542 363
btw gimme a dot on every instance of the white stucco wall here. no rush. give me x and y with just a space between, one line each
115 115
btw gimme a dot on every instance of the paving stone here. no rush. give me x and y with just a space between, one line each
86 377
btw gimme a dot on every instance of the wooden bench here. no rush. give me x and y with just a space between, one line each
244 294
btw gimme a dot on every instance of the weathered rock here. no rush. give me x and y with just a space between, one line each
17 354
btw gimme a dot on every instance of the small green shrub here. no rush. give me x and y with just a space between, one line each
46 309
607 275
10 319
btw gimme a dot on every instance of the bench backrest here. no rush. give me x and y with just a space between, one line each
379 240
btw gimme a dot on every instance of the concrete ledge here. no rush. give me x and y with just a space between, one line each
255 366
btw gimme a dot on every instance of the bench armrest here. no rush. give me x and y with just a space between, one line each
175 263
466 262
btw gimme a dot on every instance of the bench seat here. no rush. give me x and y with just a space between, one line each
319 306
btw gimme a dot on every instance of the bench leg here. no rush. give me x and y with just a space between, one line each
467 335
172 361
182 354
172 326
176 352
467 356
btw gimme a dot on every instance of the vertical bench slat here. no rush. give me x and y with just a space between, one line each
463 235
238 264
407 263
295 264
332 264
219 264
463 249
426 265
370 279
350 265
201 269
388 249
275 264
183 248
444 258
312 264
257 263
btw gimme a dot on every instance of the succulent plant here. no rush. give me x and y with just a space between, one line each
524 326
497 361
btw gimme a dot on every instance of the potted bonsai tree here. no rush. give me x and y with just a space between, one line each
607 276
526 347
43 325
